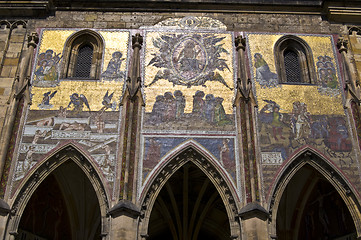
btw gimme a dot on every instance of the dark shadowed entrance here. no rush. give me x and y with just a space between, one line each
189 208
311 208
64 206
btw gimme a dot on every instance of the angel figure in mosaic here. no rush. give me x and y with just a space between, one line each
264 76
78 102
45 102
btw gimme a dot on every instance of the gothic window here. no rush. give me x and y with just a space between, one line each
83 54
294 61
84 62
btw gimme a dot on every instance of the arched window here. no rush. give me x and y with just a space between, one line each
82 56
294 61
84 62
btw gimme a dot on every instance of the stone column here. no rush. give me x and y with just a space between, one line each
20 90
125 213
352 89
352 85
20 95
253 217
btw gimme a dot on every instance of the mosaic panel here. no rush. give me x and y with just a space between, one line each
291 116
222 149
83 111
188 80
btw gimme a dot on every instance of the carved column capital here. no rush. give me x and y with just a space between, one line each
33 39
240 43
137 41
342 45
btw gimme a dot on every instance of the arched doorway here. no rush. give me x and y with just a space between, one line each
189 197
64 206
189 207
311 208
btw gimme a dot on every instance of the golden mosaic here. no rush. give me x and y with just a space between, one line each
189 63
317 101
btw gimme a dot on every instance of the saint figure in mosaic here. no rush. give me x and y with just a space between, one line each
264 76
113 71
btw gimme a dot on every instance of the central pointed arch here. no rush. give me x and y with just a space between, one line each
189 157
66 162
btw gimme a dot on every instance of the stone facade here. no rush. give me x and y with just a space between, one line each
180 120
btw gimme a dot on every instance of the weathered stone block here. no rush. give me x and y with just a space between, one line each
11 61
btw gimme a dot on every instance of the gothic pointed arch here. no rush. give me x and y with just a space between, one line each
298 197
68 171
82 56
185 162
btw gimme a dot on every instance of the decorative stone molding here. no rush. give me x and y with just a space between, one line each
189 154
67 153
253 209
124 207
325 168
4 208
190 22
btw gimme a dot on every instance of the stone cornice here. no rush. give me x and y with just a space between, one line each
25 8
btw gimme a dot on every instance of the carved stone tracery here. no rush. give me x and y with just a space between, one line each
189 155
68 153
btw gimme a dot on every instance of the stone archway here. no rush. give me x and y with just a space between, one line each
64 197
192 198
311 200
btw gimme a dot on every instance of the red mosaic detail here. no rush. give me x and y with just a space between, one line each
247 171
124 155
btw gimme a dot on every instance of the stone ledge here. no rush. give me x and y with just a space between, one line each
4 208
253 210
124 207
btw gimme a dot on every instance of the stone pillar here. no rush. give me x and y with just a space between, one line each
20 96
125 214
352 85
352 89
20 89
245 117
253 216
254 219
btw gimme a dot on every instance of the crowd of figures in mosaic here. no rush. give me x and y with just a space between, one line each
284 132
47 71
170 107
327 76
188 84
95 131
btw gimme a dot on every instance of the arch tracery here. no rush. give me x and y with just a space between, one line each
189 154
39 174
309 158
